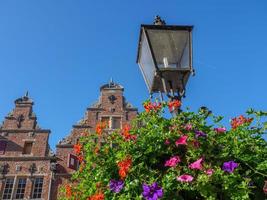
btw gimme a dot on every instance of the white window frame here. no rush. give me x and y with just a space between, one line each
15 189
12 189
33 187
111 122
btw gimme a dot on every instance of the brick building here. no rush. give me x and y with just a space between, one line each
25 155
112 108
27 166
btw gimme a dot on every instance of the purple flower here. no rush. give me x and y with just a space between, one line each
229 166
152 192
116 186
200 134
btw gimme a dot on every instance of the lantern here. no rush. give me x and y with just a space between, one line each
165 57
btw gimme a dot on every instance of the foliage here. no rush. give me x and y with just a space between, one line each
190 156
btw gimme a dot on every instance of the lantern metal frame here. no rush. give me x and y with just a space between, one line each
160 83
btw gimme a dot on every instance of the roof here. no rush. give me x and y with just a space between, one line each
24 100
111 85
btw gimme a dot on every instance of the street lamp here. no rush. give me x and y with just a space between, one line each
165 57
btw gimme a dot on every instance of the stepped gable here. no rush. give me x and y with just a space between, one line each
25 155
21 118
111 108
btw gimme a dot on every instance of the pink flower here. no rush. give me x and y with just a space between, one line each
172 162
220 129
197 164
185 178
188 127
181 140
209 172
167 142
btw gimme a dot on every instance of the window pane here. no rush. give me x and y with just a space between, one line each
37 188
72 162
20 191
27 148
170 47
116 122
8 188
146 62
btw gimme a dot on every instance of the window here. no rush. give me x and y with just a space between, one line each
106 121
8 188
37 188
73 162
3 144
116 122
27 148
112 122
20 191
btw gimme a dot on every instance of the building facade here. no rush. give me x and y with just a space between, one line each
29 170
25 156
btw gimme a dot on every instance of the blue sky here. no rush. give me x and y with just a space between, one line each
63 51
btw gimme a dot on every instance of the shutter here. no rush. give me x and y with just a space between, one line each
3 144
73 162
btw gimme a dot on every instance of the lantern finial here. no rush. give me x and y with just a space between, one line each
159 21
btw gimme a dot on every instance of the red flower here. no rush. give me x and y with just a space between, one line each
82 166
77 148
68 191
80 158
124 167
126 133
173 105
149 106
238 121
96 150
98 196
100 127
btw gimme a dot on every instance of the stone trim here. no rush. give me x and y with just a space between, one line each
81 126
64 145
25 130
26 158
94 109
131 109
27 175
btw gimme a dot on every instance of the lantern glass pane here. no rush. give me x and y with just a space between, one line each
171 48
146 62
